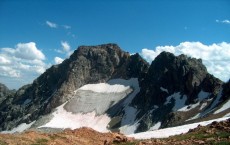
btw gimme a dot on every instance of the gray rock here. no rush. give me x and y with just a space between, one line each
174 74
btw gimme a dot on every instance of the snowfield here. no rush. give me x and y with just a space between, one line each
105 88
19 128
88 106
64 119
178 99
166 132
223 108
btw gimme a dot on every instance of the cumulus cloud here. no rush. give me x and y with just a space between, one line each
25 51
223 21
215 56
58 60
51 24
24 62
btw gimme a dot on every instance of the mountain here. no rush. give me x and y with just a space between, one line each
5 92
105 88
174 90
88 64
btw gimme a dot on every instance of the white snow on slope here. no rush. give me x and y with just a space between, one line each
203 105
156 126
224 107
105 88
194 117
201 96
179 100
19 128
189 107
128 123
164 133
164 90
227 115
88 107
214 103
64 119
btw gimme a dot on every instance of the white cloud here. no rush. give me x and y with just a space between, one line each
66 26
216 57
8 71
25 51
58 60
24 62
4 60
65 46
66 49
51 24
55 25
226 21
223 21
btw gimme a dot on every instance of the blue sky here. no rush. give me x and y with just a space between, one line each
57 27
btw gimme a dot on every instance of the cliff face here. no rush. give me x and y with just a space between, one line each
176 74
5 93
171 79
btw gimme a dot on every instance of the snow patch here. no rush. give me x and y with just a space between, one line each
203 95
194 117
203 105
129 129
224 107
179 101
156 126
164 90
88 106
227 115
189 107
20 128
214 103
128 123
64 119
164 133
104 88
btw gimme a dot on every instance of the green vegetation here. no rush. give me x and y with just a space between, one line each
222 143
2 142
40 141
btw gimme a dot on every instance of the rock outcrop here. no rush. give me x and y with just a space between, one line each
5 92
168 75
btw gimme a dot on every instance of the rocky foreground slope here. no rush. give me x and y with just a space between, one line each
131 95
215 133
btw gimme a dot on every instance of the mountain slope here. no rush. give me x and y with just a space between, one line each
88 64
105 88
174 90
214 133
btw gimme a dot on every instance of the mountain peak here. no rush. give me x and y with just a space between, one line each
135 96
88 64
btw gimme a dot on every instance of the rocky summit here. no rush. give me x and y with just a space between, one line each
88 64
106 88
